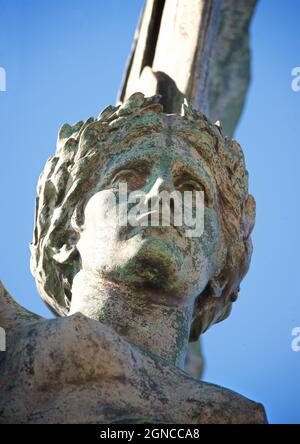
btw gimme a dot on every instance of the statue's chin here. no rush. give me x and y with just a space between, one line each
150 261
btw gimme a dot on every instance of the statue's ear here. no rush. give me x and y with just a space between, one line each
68 251
249 212
65 254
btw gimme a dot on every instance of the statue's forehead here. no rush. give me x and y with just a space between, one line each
167 146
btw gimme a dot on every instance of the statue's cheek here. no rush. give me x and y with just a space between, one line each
206 248
210 238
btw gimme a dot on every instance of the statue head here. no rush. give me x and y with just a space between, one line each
138 144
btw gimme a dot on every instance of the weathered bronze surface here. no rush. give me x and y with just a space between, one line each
129 298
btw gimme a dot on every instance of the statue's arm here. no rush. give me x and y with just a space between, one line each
12 315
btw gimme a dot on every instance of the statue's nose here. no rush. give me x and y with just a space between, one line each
155 197
160 184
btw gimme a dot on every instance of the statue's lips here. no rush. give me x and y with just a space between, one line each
163 222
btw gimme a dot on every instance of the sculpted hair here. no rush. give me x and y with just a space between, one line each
71 176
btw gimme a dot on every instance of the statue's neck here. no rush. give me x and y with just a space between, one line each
163 329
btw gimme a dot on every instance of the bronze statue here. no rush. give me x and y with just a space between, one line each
129 298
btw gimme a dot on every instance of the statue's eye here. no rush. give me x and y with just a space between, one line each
133 179
194 185
189 185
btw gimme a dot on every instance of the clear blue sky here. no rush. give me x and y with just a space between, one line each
64 62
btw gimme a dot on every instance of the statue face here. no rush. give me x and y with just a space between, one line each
137 144
161 257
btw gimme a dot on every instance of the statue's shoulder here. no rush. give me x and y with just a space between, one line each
197 402
13 315
75 369
219 405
